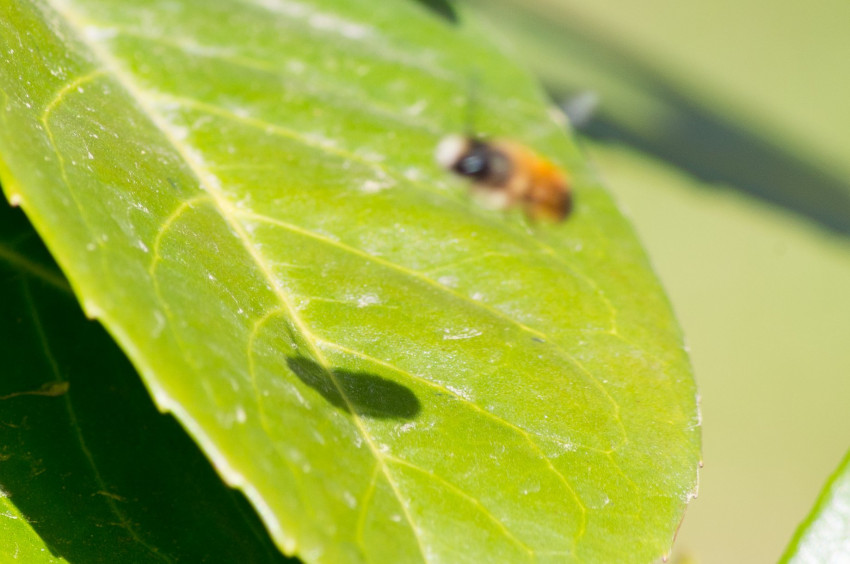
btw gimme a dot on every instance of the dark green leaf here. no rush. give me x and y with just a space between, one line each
89 471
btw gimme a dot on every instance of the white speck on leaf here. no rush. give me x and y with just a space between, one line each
450 281
413 174
320 140
417 108
327 22
467 333
299 397
533 488
285 7
160 323
180 133
460 392
249 226
368 299
295 66
371 187
191 46
371 156
141 207
95 33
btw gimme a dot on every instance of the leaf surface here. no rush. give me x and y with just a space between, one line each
244 194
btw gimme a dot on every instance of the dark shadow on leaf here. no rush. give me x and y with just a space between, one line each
367 394
96 470
442 8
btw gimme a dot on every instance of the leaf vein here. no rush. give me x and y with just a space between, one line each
62 92
123 521
384 171
341 93
364 507
28 266
264 420
443 288
470 498
525 433
226 210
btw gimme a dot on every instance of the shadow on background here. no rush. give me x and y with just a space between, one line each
710 146
717 151
96 470
368 394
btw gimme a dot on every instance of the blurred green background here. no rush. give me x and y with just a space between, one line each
722 129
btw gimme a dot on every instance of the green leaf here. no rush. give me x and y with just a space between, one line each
18 538
89 471
824 536
726 251
244 194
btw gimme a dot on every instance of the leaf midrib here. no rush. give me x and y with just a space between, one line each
225 210
231 215
373 104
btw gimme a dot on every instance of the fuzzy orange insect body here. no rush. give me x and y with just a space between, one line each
506 174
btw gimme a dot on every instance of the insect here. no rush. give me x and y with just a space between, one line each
505 174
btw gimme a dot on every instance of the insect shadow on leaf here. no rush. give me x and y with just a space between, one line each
442 8
367 394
